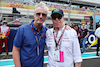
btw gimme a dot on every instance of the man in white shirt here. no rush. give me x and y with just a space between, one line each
63 45
97 33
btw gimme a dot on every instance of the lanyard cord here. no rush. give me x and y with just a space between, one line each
37 39
59 38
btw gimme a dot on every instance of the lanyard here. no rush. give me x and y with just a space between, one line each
57 42
37 39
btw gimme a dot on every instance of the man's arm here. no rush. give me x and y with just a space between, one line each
87 35
16 56
76 51
77 64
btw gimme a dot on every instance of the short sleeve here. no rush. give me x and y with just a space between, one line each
18 40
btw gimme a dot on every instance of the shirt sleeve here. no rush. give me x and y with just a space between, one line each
76 49
97 33
8 32
87 31
18 40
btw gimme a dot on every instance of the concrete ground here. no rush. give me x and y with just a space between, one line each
91 62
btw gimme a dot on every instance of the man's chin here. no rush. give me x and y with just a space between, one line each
56 26
39 23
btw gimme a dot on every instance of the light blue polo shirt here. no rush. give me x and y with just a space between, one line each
26 41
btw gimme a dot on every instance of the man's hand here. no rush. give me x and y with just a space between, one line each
68 27
98 37
78 64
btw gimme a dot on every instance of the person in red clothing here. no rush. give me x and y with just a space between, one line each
79 32
4 33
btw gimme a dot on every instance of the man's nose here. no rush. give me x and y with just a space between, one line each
56 18
41 15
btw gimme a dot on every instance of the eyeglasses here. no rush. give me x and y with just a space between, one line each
43 14
59 17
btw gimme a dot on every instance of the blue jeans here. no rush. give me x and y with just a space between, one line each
83 40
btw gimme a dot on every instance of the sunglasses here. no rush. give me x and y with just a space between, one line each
59 17
43 14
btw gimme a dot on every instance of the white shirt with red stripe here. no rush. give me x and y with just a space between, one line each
5 30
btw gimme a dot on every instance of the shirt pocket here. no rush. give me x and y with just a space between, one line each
50 42
66 42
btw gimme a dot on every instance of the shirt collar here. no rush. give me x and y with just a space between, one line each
60 29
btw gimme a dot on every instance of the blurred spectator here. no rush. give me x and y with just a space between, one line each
4 33
79 25
72 25
34 1
97 33
88 25
79 32
15 10
85 35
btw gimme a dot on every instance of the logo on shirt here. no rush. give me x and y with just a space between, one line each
65 34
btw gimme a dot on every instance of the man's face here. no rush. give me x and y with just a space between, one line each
72 23
76 27
5 24
83 25
40 15
57 20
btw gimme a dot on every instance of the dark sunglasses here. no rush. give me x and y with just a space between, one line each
43 14
53 17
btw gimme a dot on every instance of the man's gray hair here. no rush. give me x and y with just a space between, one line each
43 5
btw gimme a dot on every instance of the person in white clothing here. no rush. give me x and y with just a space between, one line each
4 33
63 45
97 33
